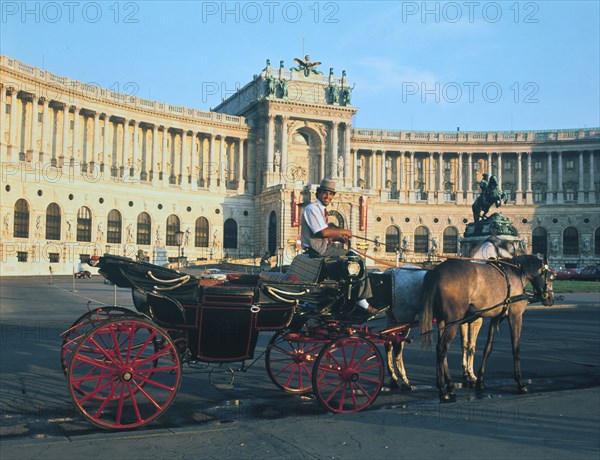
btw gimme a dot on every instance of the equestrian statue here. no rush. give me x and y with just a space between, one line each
490 194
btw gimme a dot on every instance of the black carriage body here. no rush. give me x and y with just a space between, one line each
219 323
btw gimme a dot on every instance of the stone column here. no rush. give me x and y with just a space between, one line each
519 192
549 189
270 151
348 181
106 161
124 167
12 138
470 177
44 150
499 156
400 178
2 124
222 165
34 128
560 197
441 195
184 163
136 168
431 179
211 173
356 177
383 185
165 158
75 156
460 195
489 163
580 173
96 147
242 165
283 168
373 181
154 156
333 159
592 186
411 179
529 191
194 167
65 138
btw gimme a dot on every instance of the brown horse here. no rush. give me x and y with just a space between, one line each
459 291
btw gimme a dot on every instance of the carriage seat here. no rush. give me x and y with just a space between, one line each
303 269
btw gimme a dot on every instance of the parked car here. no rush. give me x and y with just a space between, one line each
83 274
588 274
213 274
567 274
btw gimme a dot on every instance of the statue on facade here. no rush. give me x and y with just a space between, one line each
99 233
186 238
334 94
129 230
306 66
270 82
69 230
490 194
6 224
283 84
555 247
347 95
340 166
39 227
158 241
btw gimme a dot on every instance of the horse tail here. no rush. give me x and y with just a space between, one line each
428 295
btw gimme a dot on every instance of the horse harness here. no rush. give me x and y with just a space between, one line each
498 265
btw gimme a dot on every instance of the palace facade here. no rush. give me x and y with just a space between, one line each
86 171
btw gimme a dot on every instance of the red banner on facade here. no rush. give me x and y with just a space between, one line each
362 211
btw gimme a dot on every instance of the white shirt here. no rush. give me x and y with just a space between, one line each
313 221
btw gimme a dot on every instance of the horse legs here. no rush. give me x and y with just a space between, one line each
444 381
486 352
516 322
394 350
468 335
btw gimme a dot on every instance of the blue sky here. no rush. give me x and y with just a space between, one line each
416 65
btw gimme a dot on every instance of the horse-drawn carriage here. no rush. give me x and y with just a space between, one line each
123 367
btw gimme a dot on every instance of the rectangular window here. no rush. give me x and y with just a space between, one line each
40 117
507 166
54 257
570 165
7 109
22 256
84 258
538 166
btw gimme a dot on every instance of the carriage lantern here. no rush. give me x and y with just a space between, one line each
179 240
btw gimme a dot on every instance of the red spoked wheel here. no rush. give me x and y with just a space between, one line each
124 373
348 375
83 325
289 360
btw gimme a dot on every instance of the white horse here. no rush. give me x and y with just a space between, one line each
407 283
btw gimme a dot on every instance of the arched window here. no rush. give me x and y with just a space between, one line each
144 229
539 241
113 230
84 224
335 219
21 219
202 230
172 229
272 233
230 234
597 242
421 240
570 241
450 243
392 239
53 222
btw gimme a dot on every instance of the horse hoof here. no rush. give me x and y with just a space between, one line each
406 387
523 390
479 385
394 385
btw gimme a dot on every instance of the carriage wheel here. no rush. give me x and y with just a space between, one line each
83 325
348 375
124 373
289 360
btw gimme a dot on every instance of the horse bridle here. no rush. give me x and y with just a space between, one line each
546 274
